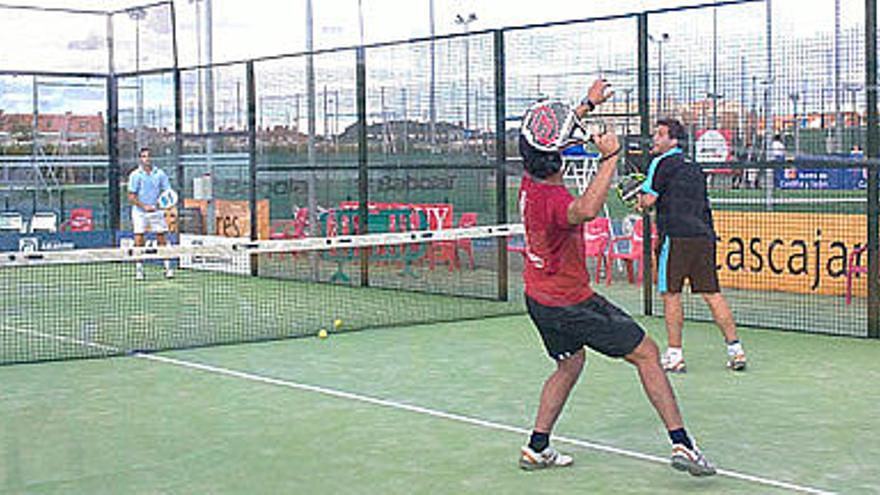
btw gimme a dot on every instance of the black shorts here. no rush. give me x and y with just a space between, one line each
691 258
595 323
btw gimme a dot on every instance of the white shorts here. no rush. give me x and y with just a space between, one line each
142 221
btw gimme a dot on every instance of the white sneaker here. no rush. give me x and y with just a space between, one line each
547 458
737 361
673 362
139 275
169 273
691 460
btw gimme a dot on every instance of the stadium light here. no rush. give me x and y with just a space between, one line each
465 22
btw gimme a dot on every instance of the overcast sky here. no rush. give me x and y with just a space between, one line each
252 28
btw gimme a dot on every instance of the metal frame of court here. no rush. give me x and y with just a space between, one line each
500 159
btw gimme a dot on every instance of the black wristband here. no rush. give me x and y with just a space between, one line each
610 155
589 104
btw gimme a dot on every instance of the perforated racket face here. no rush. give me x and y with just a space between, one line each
544 124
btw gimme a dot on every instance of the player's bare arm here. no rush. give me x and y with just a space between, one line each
133 199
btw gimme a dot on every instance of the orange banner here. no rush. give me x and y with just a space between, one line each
805 253
233 218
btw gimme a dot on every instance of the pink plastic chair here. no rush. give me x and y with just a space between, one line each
597 236
466 220
636 242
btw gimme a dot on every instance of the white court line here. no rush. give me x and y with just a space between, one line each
418 410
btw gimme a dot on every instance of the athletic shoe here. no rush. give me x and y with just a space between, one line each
673 363
547 458
737 362
139 275
691 460
169 273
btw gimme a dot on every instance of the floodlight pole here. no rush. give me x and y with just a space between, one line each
838 120
466 23
659 41
137 14
310 103
795 97
432 105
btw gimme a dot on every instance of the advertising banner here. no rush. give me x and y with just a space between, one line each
804 253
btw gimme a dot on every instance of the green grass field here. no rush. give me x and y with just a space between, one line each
802 414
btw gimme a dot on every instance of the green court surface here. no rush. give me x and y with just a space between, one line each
304 416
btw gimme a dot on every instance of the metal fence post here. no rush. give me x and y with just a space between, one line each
873 151
113 171
501 162
180 175
644 139
363 163
252 159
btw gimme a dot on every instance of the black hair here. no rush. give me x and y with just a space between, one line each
144 148
676 129
539 164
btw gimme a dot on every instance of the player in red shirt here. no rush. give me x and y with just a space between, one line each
566 311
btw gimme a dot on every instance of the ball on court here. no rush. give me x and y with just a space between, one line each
322 334
337 323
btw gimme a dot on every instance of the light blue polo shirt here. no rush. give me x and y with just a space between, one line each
148 187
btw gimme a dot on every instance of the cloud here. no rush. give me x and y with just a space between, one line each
91 43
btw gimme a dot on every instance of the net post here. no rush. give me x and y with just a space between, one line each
252 159
645 128
113 172
363 170
873 151
501 162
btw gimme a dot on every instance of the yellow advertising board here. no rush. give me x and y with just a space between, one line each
804 253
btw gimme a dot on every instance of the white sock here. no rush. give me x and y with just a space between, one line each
674 353
734 349
139 267
167 265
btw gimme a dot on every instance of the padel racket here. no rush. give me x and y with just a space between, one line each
167 199
552 126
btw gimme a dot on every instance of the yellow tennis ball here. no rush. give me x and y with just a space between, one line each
322 334
337 323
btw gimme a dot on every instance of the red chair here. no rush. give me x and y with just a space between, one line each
447 251
81 220
634 254
466 220
852 268
597 236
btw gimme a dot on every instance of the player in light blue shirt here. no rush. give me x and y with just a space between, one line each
145 184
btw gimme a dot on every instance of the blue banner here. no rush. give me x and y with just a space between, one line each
55 241
824 178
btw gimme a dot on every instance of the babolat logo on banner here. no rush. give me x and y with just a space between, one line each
437 182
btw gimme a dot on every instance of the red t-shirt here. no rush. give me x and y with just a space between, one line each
555 266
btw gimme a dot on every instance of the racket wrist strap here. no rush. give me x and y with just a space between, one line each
610 155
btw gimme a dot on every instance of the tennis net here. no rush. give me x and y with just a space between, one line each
88 303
